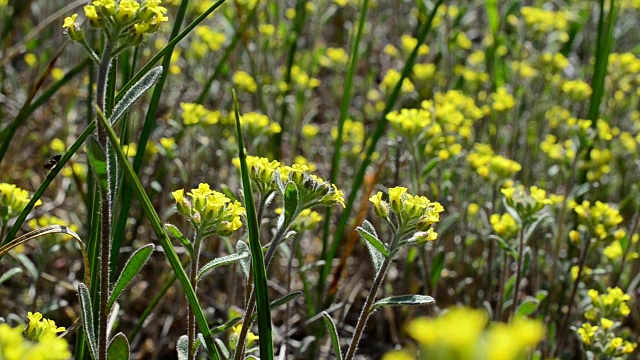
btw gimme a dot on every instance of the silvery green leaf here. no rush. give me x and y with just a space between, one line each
333 333
367 231
134 93
118 348
130 270
245 263
87 319
404 300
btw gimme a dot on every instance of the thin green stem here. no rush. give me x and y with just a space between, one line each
193 279
366 310
516 286
565 321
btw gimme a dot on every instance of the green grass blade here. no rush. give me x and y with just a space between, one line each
344 112
149 124
298 23
156 224
604 44
379 131
260 275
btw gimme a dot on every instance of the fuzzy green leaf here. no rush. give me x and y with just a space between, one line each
135 92
367 232
404 300
98 161
130 270
175 232
221 261
245 262
9 274
291 199
335 340
527 307
182 347
87 319
118 348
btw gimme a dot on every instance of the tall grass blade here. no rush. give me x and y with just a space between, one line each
260 274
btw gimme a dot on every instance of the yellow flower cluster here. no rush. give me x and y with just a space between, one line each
409 43
504 225
545 21
554 62
258 124
413 213
244 81
471 76
623 76
261 171
502 100
462 333
600 218
577 90
563 152
13 345
312 189
130 18
40 327
390 80
424 71
12 200
527 204
195 114
334 58
352 135
411 122
302 78
441 124
213 39
211 212
600 333
490 166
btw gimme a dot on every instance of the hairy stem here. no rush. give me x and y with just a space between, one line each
193 279
105 204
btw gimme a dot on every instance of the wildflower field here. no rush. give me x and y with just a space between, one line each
337 179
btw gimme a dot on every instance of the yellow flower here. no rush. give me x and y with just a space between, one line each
70 22
587 333
606 323
39 326
126 10
245 81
